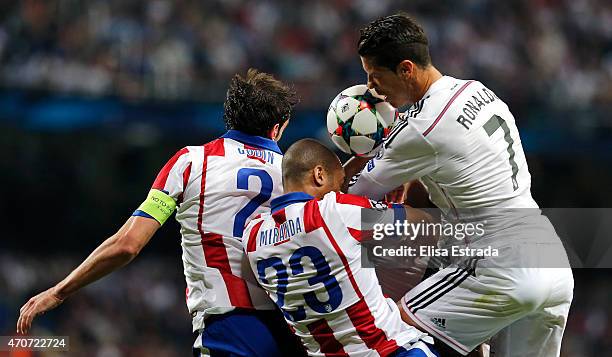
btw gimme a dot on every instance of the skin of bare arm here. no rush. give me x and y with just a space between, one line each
115 252
351 168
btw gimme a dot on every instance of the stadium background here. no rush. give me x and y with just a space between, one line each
96 95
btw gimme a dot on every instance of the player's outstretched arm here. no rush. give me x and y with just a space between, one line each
352 167
113 253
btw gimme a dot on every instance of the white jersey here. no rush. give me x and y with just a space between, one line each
461 141
218 188
307 256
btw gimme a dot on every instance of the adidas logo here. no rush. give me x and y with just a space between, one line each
440 322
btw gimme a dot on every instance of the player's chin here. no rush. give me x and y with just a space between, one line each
397 103
391 100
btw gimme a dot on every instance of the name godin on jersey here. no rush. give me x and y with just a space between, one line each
265 156
281 233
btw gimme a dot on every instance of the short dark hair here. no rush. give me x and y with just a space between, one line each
392 39
303 155
257 102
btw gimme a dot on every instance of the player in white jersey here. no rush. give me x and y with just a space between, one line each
215 189
306 254
461 141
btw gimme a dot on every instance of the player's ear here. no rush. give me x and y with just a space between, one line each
319 175
273 133
281 130
405 69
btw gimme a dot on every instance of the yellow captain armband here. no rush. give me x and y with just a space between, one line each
158 205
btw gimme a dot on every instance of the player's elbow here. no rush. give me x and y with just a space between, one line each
126 246
129 252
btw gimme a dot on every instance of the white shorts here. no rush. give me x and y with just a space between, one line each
511 295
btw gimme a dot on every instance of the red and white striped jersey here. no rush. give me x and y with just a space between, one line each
218 188
307 256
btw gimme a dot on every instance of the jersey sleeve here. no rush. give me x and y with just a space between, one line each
360 215
167 189
406 156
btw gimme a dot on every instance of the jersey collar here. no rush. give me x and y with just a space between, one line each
437 85
285 200
258 141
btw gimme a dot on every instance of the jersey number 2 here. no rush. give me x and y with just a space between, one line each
264 194
491 126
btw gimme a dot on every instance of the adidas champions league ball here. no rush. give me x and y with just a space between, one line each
358 121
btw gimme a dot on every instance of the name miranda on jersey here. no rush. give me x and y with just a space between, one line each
285 231
473 106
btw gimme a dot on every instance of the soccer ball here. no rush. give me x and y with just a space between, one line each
358 120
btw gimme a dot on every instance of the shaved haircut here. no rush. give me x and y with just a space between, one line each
303 156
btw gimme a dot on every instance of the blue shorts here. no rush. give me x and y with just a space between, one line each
419 349
247 333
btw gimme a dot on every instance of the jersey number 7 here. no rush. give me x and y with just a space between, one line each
491 126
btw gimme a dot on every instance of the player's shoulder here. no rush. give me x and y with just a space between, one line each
196 154
180 157
418 120
217 147
453 99
187 152
437 100
453 93
417 124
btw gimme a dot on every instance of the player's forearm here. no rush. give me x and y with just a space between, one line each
112 254
108 257
415 215
351 168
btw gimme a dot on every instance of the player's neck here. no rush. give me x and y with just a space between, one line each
428 77
314 192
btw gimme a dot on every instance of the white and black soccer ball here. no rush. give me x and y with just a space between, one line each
358 120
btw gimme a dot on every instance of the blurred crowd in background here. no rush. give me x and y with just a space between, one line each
139 312
544 52
96 95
